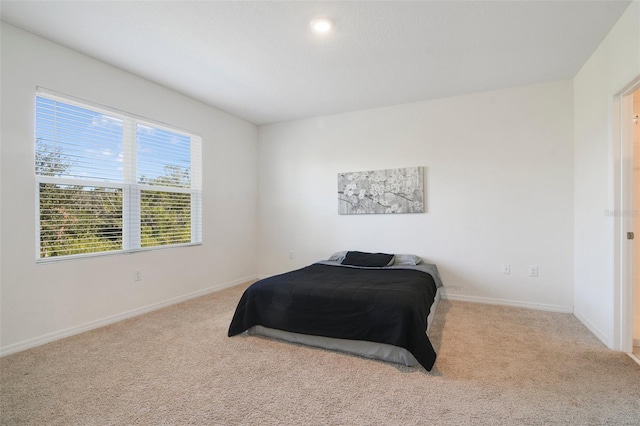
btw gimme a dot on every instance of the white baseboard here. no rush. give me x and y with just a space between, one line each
57 335
635 358
592 328
506 302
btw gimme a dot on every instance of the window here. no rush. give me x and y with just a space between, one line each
110 181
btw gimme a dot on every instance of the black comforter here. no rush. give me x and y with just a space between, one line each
378 305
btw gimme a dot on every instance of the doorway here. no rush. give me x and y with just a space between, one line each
636 225
626 229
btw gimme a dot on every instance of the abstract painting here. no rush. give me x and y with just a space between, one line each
381 191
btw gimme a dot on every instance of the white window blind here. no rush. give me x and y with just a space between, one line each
112 181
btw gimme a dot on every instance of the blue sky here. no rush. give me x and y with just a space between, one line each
92 142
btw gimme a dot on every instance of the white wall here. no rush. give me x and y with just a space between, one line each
499 190
612 66
41 302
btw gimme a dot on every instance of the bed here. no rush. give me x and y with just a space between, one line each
370 304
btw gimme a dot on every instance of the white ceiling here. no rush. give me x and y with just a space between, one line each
259 61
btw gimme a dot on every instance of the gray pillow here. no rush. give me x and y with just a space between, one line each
407 259
338 256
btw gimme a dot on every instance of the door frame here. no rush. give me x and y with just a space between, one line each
623 215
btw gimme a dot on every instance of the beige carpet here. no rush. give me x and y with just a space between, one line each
176 366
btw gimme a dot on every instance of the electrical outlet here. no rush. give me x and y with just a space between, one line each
137 275
533 270
506 269
291 255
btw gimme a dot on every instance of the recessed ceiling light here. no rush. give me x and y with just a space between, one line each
321 25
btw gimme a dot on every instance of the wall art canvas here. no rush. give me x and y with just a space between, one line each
381 191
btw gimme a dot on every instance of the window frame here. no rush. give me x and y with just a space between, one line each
130 187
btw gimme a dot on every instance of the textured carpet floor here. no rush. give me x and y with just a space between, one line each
496 365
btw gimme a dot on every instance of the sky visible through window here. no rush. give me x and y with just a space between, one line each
90 144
